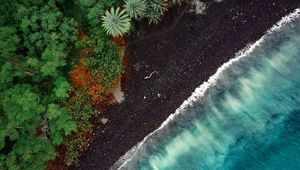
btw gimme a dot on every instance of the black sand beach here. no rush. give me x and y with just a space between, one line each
183 58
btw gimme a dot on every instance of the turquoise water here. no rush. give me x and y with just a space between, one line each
249 120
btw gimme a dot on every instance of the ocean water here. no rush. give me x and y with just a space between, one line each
246 117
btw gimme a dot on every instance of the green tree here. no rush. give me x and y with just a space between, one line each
60 122
7 11
61 87
44 25
52 58
22 109
21 115
9 42
32 126
6 75
86 3
30 152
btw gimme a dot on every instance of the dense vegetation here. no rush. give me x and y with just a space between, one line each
57 66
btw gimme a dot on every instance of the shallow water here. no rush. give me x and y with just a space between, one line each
250 118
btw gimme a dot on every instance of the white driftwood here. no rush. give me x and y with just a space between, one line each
148 77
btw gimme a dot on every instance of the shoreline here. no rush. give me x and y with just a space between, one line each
200 93
184 58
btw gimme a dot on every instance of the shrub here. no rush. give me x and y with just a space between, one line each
81 110
116 22
104 59
135 8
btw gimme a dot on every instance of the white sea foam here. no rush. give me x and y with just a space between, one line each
204 88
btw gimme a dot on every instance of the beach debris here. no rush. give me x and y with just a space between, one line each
137 66
103 120
118 93
199 7
150 75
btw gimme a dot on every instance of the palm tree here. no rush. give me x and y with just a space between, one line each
135 8
153 16
158 5
116 22
156 9
177 1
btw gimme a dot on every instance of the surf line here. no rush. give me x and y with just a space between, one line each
205 86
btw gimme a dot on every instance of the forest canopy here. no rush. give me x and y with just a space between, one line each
58 63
